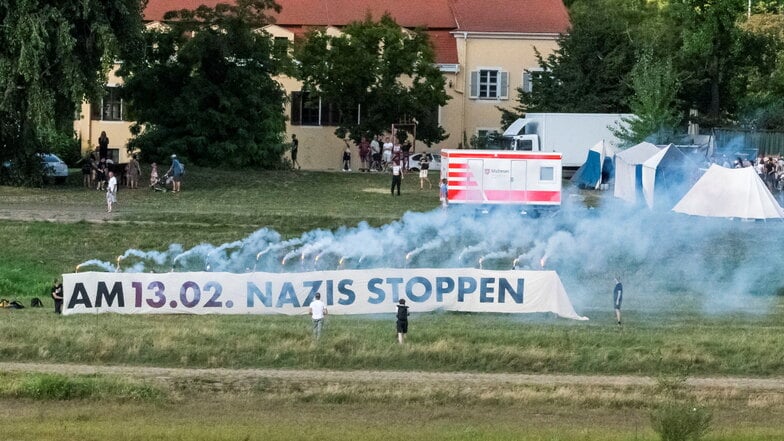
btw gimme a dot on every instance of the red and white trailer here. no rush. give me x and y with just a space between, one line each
502 177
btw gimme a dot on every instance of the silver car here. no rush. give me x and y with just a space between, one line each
54 167
433 158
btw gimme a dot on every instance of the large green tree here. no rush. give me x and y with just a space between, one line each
53 55
376 70
762 106
206 89
713 53
655 85
589 71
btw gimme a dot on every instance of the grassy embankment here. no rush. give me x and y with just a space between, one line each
221 206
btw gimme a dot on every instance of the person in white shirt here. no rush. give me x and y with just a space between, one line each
111 192
317 311
397 178
387 152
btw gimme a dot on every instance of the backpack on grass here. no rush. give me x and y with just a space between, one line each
36 303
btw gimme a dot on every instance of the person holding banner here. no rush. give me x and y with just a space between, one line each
318 310
402 321
57 295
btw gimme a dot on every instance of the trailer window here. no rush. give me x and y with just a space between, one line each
546 174
525 145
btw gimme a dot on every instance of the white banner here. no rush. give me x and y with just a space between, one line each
367 291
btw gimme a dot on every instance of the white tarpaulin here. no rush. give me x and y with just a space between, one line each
628 170
730 192
367 291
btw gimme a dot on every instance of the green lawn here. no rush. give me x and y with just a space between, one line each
666 330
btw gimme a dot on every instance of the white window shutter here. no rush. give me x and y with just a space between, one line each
474 92
503 85
527 82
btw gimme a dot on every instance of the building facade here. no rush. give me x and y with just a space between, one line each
484 48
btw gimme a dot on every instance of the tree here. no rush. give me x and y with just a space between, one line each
762 106
712 52
53 55
206 90
589 70
655 84
378 71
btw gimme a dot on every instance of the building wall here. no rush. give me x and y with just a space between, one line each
512 54
462 117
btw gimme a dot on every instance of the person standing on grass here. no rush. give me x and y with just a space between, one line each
424 166
111 192
176 173
347 157
402 321
134 172
618 298
317 311
397 177
442 193
57 295
294 151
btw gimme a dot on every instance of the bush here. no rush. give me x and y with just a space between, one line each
678 417
681 421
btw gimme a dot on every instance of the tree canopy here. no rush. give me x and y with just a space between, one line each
53 55
376 74
716 60
206 90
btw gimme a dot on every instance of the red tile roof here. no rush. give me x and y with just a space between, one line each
526 16
438 16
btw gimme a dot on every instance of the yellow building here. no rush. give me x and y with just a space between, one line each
485 50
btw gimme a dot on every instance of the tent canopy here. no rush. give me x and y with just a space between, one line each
667 176
730 192
589 175
628 170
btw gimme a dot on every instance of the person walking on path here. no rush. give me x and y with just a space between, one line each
317 311
111 192
176 170
618 298
402 321
57 295
294 151
397 177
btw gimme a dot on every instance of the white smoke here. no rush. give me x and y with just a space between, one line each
723 262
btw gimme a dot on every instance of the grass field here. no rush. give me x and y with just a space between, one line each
220 206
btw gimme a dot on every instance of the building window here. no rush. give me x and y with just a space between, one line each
280 48
110 107
529 76
489 84
307 109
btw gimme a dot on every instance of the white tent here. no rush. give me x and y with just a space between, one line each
667 176
730 192
628 170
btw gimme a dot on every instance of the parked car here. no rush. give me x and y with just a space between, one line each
433 158
53 167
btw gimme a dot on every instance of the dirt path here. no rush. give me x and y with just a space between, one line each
240 376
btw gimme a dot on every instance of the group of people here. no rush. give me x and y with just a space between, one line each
98 171
769 168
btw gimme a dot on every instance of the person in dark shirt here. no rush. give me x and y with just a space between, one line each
57 295
402 321
618 298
